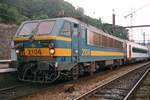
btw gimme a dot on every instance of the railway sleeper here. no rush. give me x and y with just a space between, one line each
112 92
108 96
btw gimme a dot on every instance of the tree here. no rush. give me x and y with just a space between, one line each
10 14
80 11
16 11
120 31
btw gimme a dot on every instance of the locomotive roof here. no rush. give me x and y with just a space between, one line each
92 28
136 45
88 26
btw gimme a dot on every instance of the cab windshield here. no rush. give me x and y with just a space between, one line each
36 28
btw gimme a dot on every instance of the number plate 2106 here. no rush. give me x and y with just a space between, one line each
32 52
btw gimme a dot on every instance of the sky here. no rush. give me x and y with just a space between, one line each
103 9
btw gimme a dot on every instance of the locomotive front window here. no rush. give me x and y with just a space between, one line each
36 28
28 28
66 29
45 27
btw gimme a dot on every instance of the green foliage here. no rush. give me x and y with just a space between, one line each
16 11
40 17
120 31
9 14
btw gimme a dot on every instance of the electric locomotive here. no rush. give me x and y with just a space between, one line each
64 47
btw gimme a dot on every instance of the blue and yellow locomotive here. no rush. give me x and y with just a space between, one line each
63 47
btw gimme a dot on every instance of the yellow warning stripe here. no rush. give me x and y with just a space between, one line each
105 53
66 52
44 38
46 52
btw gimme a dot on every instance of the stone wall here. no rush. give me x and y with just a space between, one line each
7 33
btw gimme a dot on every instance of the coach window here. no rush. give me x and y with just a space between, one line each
83 32
107 41
100 40
66 30
90 38
96 39
114 43
139 50
111 42
103 41
75 29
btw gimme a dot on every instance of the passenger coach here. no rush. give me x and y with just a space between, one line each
136 52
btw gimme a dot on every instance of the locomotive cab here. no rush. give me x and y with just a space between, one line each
41 46
32 35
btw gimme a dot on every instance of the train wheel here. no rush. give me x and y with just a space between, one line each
24 70
91 73
53 76
75 72
92 68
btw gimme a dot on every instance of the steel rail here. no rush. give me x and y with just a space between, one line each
13 87
87 94
136 85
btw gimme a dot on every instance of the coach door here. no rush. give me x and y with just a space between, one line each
75 43
129 52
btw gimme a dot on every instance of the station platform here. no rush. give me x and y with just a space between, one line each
5 61
8 76
4 66
7 70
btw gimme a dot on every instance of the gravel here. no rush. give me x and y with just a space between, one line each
81 86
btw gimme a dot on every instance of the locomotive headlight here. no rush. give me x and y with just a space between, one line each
17 51
52 51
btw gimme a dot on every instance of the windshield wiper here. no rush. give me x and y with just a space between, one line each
24 35
33 32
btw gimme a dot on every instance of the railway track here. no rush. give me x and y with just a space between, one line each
116 89
24 90
141 90
17 91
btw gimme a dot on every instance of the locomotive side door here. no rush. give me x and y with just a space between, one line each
75 42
